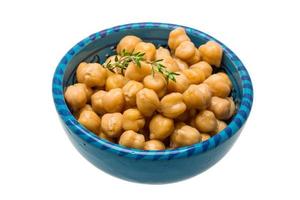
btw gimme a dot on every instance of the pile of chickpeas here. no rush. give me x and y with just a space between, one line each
141 109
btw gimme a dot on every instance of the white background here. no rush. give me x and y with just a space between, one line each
38 161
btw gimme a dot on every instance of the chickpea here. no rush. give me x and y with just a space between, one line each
211 52
128 43
113 100
221 126
185 136
136 73
219 84
86 107
181 64
132 139
185 50
92 74
97 102
204 67
170 64
162 53
206 121
115 81
176 37
155 145
197 97
194 74
130 90
188 114
90 120
222 108
112 60
147 101
160 127
111 124
105 137
196 58
172 105
157 83
147 48
89 91
76 96
205 136
178 125
133 120
181 84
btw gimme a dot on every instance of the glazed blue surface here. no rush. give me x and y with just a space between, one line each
138 165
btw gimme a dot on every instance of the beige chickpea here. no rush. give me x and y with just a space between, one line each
196 58
115 81
185 50
155 145
223 108
219 84
162 53
130 90
170 64
184 136
221 126
133 120
112 60
206 121
105 137
86 107
187 115
181 84
97 102
194 74
204 136
157 83
147 48
113 100
204 67
89 91
176 37
111 124
76 96
160 127
90 120
132 139
128 43
181 64
197 96
92 74
134 72
172 105
211 52
147 101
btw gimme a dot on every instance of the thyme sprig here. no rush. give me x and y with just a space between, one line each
127 57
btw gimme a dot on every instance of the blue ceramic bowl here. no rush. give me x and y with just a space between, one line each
138 165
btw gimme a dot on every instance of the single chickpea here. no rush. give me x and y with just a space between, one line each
111 124
113 100
204 67
181 64
115 81
105 137
128 43
90 120
162 53
194 74
130 90
86 107
147 48
97 102
134 72
205 136
132 139
206 121
170 64
223 108
185 50
181 84
219 84
176 37
211 52
186 115
133 120
172 105
147 101
89 91
157 83
221 126
160 127
197 97
76 96
155 145
196 58
112 60
185 136
92 74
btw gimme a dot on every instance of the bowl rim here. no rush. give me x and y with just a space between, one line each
88 137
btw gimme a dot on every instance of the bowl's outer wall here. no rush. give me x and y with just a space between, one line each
159 170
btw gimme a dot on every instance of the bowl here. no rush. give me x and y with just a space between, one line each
154 167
